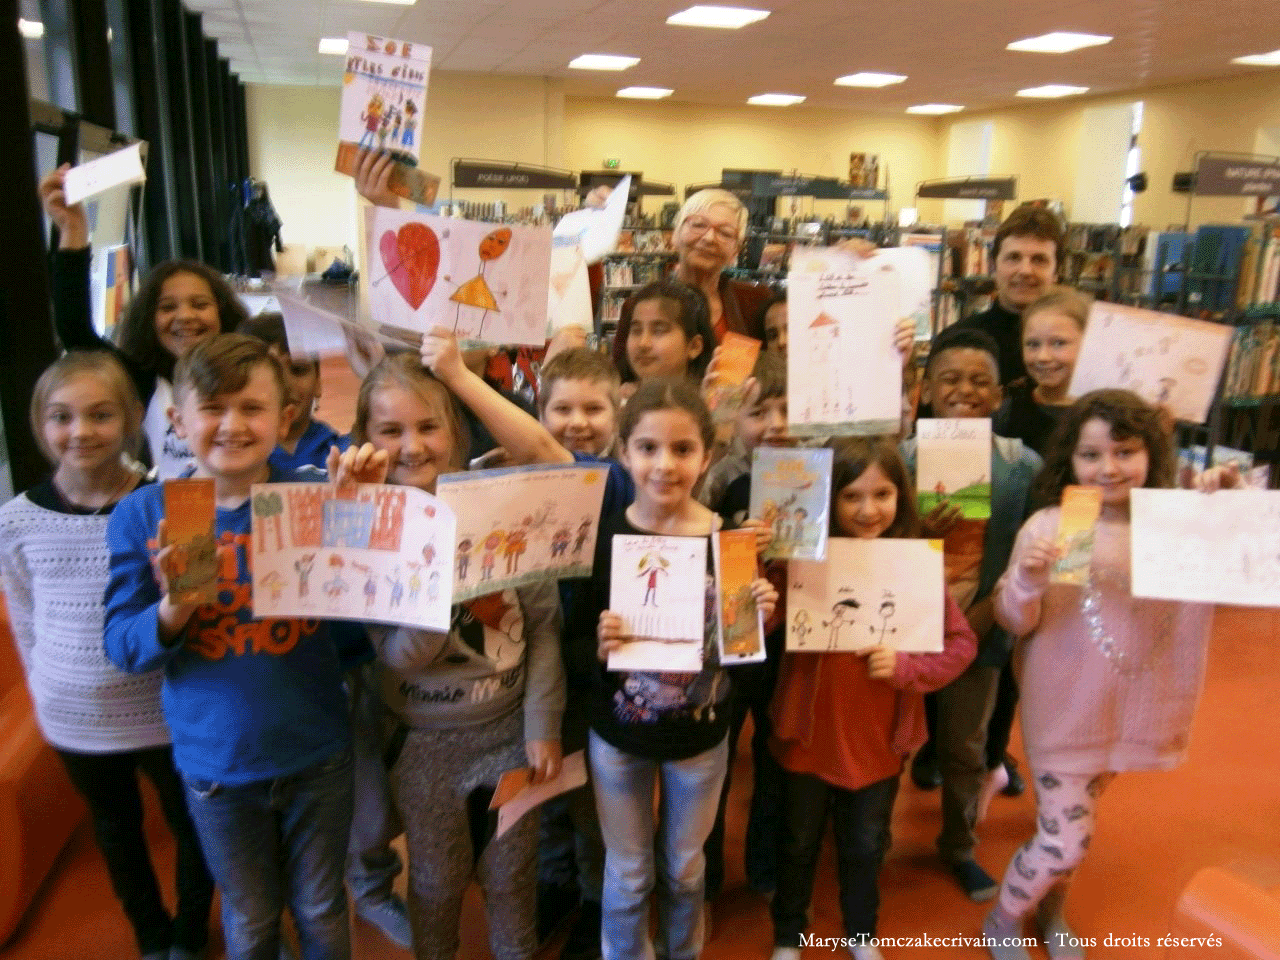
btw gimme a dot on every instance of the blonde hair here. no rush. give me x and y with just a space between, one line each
97 363
405 370
1067 300
704 200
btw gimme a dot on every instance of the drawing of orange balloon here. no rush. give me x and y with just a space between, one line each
495 244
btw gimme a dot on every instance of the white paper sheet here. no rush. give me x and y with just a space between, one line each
124 167
658 585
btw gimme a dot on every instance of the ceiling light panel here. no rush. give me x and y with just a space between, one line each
866 79
775 100
602 61
1059 42
334 45
1271 59
935 109
1051 91
645 93
723 18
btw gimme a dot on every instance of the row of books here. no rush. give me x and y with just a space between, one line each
1260 269
630 273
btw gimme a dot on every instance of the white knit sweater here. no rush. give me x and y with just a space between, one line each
54 567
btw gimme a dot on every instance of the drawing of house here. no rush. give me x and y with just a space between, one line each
306 515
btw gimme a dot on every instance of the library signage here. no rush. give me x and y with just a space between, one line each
513 176
1237 177
991 188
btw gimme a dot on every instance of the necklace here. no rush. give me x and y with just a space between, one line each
130 476
1125 662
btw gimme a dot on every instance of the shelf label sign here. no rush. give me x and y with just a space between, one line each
1237 177
975 188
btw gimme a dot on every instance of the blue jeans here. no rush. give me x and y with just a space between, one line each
372 864
687 811
277 843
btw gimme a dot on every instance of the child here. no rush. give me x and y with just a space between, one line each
664 331
773 320
1109 682
845 722
470 704
256 707
578 403
309 440
179 304
1052 329
962 380
763 418
105 725
650 726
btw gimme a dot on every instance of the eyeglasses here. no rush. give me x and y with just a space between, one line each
698 226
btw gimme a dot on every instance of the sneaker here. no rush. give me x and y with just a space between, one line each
975 881
583 942
866 952
390 916
785 953
994 782
924 769
556 903
1016 785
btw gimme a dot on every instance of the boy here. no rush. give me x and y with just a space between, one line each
372 863
256 707
578 402
308 441
962 379
763 418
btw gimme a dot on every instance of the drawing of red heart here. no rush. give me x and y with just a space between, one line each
411 256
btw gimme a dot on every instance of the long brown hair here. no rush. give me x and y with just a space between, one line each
405 370
1128 416
851 459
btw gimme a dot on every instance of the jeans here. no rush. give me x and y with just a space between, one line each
570 848
687 811
372 865
964 710
277 843
861 821
1001 725
109 784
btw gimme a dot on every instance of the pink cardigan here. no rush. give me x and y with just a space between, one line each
1084 711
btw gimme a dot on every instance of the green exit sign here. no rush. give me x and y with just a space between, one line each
612 163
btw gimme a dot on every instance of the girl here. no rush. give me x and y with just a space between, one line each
179 304
1052 329
845 722
471 704
105 725
651 726
665 331
1109 682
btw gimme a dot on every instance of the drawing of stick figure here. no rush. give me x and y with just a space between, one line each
303 567
801 627
464 558
842 612
651 564
433 586
887 609
415 582
275 583
475 292
397 588
370 591
584 531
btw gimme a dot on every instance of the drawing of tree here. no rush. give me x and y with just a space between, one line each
268 507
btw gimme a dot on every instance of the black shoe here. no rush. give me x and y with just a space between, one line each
1016 785
924 770
555 904
974 881
584 936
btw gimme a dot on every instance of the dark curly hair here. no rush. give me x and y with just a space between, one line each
136 335
1129 416
852 457
686 306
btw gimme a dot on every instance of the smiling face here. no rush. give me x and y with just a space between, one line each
962 382
657 345
709 240
1050 346
415 433
1024 270
1117 466
186 313
302 384
233 434
580 415
665 456
867 507
84 424
762 422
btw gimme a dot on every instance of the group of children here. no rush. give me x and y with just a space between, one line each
275 744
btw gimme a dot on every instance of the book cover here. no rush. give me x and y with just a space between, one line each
384 92
791 492
953 464
189 524
658 585
741 623
1081 507
729 371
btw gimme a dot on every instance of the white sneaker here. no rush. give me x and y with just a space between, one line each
785 953
867 952
390 916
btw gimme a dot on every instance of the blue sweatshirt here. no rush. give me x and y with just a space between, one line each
312 449
245 700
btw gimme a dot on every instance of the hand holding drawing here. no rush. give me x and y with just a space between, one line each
71 221
1219 478
881 661
609 635
442 356
363 464
1038 563
544 758
939 521
373 178
904 338
764 532
172 616
766 596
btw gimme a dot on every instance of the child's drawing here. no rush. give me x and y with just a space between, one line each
841 594
791 492
953 464
658 585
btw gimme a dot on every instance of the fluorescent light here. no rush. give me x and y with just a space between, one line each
31 29
402 3
935 108
334 45
1059 42
602 61
1051 90
775 99
866 79
724 18
645 93
1271 59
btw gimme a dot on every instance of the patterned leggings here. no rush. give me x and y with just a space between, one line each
1066 809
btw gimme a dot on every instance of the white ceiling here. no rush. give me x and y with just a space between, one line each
951 50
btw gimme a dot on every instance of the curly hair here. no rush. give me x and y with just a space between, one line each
136 336
1129 416
852 457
